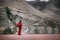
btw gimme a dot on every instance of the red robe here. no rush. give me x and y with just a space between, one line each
19 28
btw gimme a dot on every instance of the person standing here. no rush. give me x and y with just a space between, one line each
19 24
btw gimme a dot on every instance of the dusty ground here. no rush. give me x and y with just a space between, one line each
31 37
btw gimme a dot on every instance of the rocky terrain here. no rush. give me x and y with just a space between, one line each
34 21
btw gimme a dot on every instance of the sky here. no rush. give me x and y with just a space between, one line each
40 0
44 0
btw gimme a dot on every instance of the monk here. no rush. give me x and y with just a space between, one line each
19 24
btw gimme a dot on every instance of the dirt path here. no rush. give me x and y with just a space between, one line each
31 37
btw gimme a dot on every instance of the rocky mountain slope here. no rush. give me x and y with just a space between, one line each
34 21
